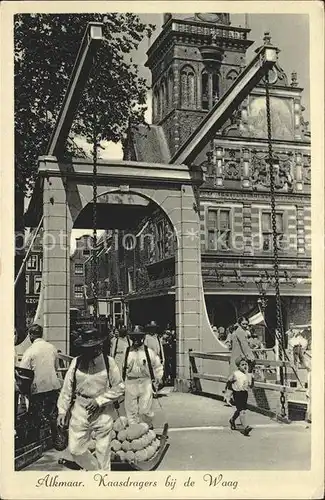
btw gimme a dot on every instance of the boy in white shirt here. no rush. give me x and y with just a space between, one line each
239 381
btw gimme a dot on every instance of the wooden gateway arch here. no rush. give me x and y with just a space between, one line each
62 190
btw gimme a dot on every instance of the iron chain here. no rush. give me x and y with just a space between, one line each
279 320
95 160
94 243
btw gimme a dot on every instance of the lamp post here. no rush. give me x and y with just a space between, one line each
262 286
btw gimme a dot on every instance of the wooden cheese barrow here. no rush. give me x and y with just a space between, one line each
147 465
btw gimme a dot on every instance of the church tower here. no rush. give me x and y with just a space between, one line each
193 62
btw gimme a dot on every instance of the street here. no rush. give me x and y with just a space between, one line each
200 439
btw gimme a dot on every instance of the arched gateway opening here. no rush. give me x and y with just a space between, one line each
130 191
135 262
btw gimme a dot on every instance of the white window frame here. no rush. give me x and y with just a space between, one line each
278 212
75 269
218 209
29 267
37 285
77 294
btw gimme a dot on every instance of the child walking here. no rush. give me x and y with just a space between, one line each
239 381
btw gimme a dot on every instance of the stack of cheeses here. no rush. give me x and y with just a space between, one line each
133 443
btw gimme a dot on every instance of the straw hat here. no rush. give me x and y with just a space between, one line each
89 338
152 327
137 330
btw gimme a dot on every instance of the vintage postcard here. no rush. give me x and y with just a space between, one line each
162 250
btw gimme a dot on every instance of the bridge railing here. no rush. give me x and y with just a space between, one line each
64 363
265 394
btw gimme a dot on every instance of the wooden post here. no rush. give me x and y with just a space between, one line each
196 381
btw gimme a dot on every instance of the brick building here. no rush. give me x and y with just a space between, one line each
77 272
193 62
33 275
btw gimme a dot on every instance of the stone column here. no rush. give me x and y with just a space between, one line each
180 207
56 263
188 285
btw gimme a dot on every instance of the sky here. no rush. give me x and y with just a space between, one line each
289 32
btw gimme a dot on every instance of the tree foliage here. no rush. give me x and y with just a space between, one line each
46 46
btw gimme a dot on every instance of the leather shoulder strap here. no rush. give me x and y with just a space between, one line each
115 347
160 350
74 383
146 351
74 380
125 363
106 360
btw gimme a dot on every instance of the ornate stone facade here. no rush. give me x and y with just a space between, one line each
198 59
193 63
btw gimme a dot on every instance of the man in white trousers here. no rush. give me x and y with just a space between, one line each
92 384
142 372
153 341
119 345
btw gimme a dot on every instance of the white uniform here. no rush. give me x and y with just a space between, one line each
82 426
138 384
118 348
154 343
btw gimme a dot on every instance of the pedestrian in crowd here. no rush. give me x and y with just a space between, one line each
153 341
142 373
173 355
42 358
23 382
240 346
254 341
228 342
229 332
221 334
289 334
298 344
239 381
259 352
91 386
119 345
168 341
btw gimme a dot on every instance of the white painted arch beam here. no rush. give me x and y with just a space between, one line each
91 40
264 60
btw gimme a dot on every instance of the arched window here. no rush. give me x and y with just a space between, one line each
205 90
209 89
188 87
215 88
